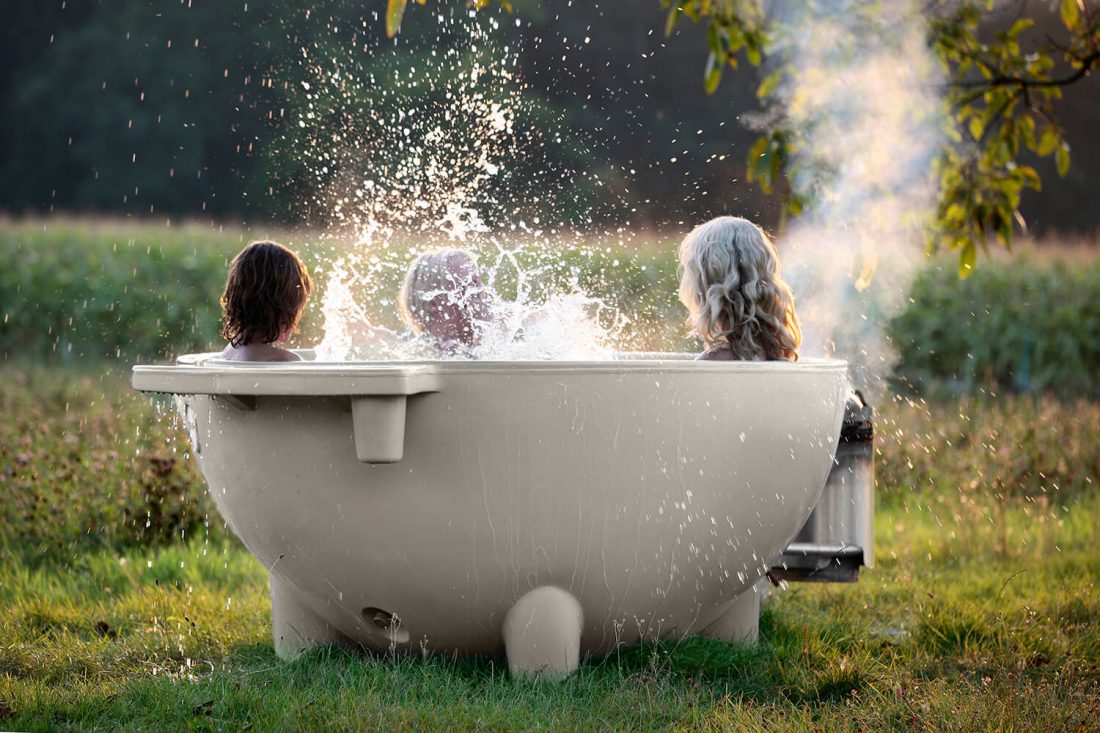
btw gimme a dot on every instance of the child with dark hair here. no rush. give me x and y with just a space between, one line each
265 293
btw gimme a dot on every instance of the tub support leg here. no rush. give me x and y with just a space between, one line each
739 620
542 634
294 627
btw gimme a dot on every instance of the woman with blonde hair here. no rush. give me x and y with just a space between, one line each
737 301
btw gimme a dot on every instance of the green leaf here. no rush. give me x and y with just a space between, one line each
1025 132
955 215
976 127
771 81
735 38
1047 141
753 54
1030 177
778 158
759 164
795 204
1071 13
1003 228
713 73
673 16
1061 159
967 257
395 10
1019 26
714 42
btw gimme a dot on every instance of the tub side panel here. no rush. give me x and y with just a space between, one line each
651 498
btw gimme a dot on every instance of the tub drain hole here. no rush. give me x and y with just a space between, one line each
387 623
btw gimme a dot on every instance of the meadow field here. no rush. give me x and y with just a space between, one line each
125 604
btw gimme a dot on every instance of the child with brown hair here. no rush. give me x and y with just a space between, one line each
265 293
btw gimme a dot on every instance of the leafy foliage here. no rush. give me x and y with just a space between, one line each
74 292
192 108
735 27
78 292
1001 100
139 107
1024 325
1000 103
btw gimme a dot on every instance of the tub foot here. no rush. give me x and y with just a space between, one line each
542 634
295 627
738 620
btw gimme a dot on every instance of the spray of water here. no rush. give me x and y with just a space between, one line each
405 158
863 98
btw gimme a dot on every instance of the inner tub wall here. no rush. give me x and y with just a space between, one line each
653 492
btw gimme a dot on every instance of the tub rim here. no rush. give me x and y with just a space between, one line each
205 374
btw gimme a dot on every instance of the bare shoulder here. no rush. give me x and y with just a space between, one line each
232 353
258 352
267 352
719 352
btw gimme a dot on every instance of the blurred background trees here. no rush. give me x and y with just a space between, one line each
182 109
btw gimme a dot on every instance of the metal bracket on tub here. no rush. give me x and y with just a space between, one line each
807 561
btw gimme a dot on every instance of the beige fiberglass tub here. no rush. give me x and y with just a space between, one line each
548 510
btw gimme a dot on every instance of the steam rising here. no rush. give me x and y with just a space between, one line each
863 99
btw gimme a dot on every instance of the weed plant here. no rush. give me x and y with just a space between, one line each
85 463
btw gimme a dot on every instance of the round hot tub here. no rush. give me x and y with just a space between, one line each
549 510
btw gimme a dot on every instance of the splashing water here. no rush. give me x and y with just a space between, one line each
406 159
541 322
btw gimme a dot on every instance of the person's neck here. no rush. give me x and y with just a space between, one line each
257 348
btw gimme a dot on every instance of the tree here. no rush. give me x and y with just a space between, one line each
1000 102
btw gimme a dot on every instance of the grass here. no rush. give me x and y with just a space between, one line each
176 638
87 464
982 612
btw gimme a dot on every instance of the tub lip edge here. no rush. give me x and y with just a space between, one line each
192 375
667 361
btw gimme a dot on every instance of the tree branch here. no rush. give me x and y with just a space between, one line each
1006 81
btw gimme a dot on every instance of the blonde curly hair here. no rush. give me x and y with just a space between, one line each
730 282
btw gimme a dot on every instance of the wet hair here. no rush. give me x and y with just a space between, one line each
266 290
731 284
428 276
